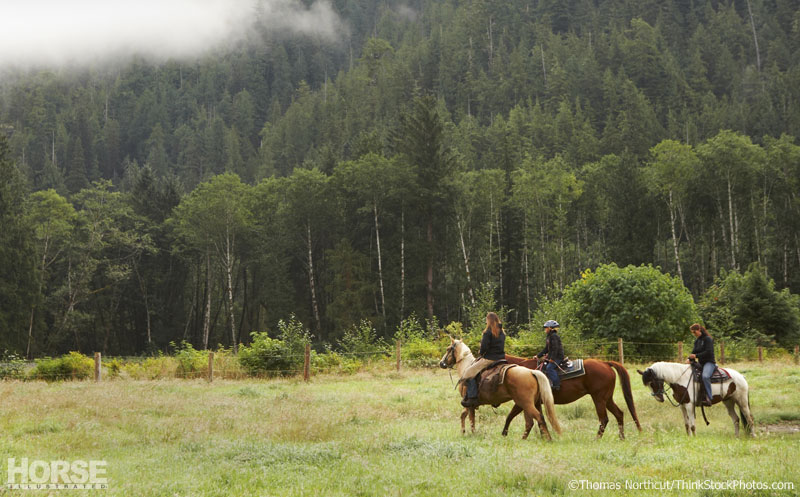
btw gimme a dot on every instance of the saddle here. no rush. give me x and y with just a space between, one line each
493 376
568 368
720 375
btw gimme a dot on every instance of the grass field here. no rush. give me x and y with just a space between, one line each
383 433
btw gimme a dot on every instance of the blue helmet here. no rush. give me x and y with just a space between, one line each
551 324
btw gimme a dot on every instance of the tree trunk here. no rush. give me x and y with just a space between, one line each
674 238
402 262
499 258
314 304
466 261
732 227
429 276
229 249
525 259
380 264
755 37
207 313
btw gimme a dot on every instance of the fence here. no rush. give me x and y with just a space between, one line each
604 350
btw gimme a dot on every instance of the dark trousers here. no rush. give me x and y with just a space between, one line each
551 370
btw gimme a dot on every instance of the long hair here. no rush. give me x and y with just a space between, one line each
494 324
703 331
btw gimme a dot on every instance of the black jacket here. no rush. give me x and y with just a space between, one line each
553 347
493 348
704 349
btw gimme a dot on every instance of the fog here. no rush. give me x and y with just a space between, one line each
67 33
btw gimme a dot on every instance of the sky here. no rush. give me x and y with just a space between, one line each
69 33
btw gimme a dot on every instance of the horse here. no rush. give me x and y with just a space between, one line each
598 382
733 391
527 388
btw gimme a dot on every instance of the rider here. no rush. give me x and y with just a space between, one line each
703 352
492 349
554 351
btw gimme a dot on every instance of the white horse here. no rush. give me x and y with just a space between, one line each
685 391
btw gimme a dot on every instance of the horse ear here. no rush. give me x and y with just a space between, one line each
452 340
641 373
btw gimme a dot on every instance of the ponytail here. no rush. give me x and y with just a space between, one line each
699 327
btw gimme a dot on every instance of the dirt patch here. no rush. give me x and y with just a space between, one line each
780 428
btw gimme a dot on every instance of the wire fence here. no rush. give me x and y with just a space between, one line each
225 365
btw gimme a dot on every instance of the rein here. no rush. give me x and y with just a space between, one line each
664 393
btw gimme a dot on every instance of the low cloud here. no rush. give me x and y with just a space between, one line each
60 33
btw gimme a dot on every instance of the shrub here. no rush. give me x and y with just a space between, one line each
11 366
362 340
283 355
191 362
151 368
638 304
747 306
331 362
74 366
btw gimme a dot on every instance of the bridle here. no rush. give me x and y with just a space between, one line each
451 351
662 390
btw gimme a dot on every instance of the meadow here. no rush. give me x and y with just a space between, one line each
385 433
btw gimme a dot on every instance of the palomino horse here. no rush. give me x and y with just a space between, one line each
598 382
527 388
685 392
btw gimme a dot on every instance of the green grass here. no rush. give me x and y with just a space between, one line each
380 433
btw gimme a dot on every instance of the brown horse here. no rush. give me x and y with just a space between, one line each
598 382
527 388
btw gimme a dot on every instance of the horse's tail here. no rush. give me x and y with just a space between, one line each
546 395
625 380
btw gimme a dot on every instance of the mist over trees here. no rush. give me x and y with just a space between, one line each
437 149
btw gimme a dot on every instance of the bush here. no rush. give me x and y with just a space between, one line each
332 362
638 304
74 365
151 368
12 366
747 307
191 362
284 355
362 340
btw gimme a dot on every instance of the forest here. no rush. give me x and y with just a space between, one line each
434 152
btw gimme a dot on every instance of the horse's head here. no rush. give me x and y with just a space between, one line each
451 355
652 380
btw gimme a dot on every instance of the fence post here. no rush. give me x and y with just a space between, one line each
210 366
722 352
307 363
398 355
97 364
796 354
680 351
621 355
760 354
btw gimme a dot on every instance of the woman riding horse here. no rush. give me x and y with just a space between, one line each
492 349
703 353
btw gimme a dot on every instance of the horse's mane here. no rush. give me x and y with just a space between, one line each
669 371
523 361
462 350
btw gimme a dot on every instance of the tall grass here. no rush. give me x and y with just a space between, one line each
378 432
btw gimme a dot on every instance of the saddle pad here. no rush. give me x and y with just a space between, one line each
572 369
720 375
494 377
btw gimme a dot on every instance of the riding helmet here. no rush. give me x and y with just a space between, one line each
551 324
